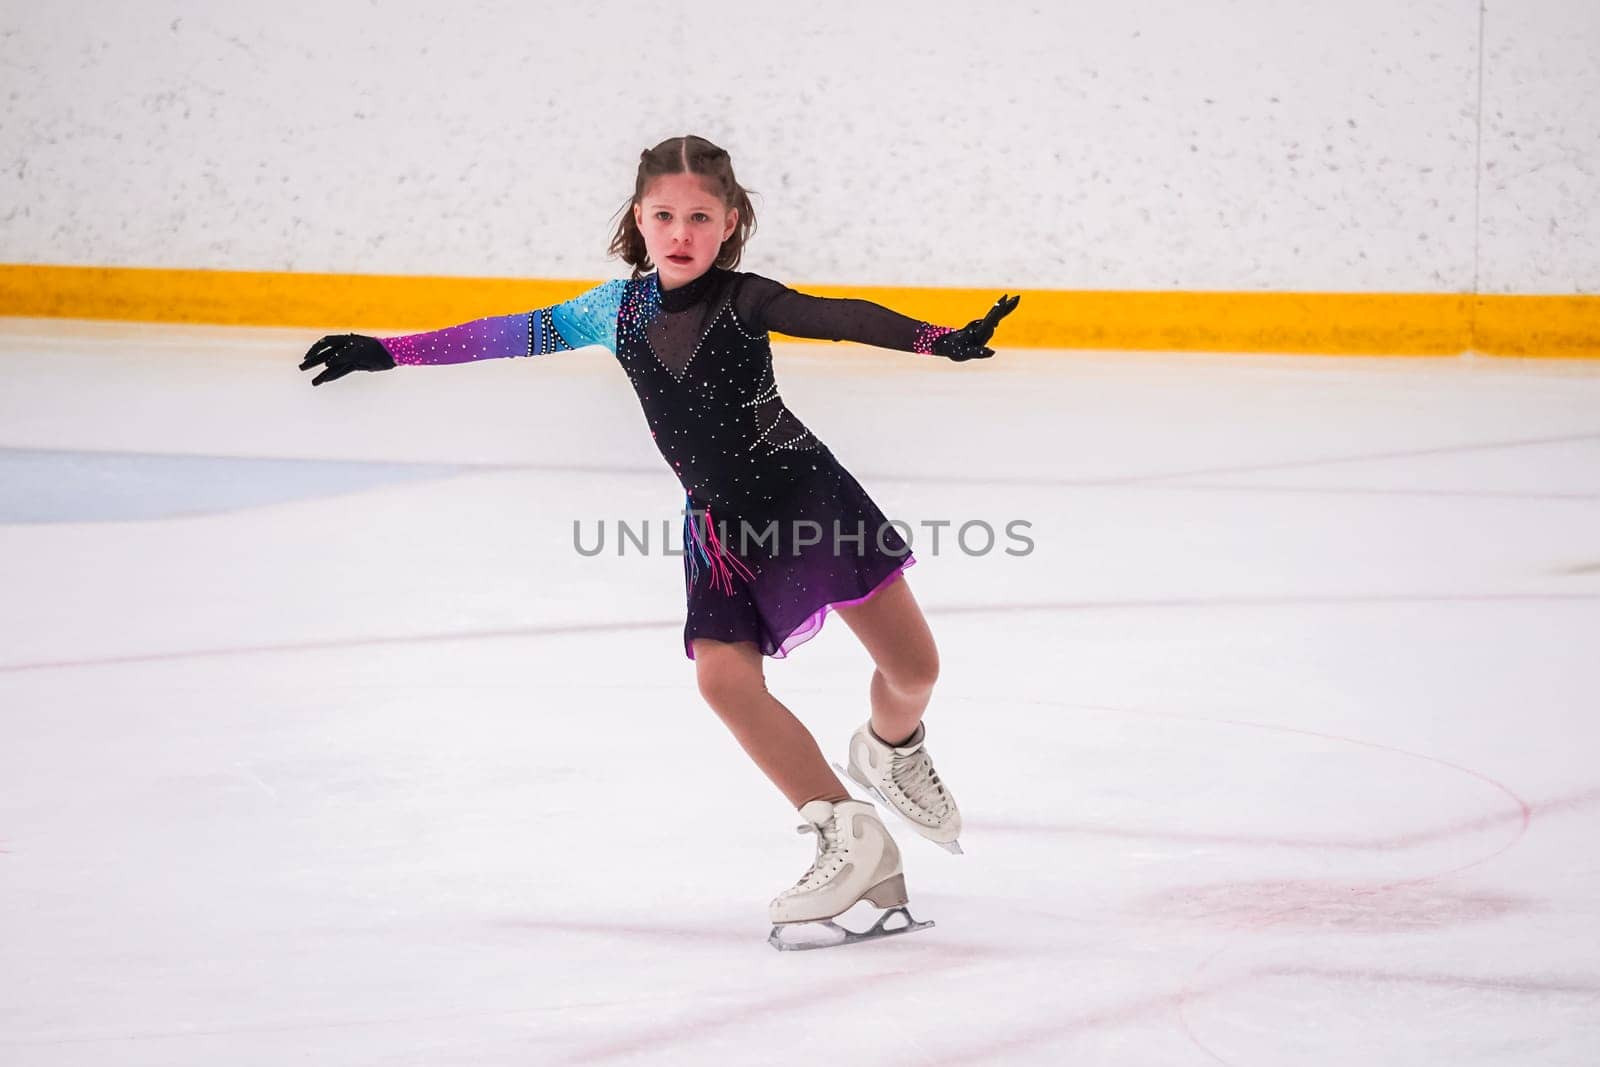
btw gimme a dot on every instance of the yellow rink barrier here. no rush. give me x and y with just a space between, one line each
1406 324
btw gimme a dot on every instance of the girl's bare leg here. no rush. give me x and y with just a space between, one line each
896 636
733 682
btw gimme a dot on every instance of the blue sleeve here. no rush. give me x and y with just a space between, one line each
590 319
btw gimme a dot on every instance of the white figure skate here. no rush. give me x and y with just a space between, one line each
856 860
903 778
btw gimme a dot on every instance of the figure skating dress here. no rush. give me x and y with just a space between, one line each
776 531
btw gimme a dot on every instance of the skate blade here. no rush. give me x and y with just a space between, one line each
872 792
803 936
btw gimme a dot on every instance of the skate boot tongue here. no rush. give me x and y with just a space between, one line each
816 813
913 743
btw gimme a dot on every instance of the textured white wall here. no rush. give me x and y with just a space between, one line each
1153 144
1541 147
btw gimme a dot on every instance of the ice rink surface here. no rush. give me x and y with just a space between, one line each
321 743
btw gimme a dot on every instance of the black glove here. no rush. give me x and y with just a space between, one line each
971 341
344 353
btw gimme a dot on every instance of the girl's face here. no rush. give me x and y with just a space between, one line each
684 225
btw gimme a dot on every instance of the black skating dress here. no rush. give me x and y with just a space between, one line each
776 532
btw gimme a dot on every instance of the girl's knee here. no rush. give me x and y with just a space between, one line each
915 673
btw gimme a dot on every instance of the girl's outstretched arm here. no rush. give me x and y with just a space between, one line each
498 337
588 319
766 304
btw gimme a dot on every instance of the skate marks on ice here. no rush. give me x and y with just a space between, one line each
1396 842
751 993
787 937
723 935
568 629
1350 907
1403 902
553 630
1026 1043
861 922
1286 909
1510 815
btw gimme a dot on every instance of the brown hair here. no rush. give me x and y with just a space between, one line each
685 155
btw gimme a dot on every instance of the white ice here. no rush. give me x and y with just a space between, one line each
320 743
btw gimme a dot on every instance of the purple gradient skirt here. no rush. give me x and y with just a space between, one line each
772 578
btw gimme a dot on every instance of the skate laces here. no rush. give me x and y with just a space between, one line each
916 778
829 846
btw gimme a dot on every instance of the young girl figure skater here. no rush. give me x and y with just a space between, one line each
692 336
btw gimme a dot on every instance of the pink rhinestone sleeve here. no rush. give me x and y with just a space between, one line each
928 333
